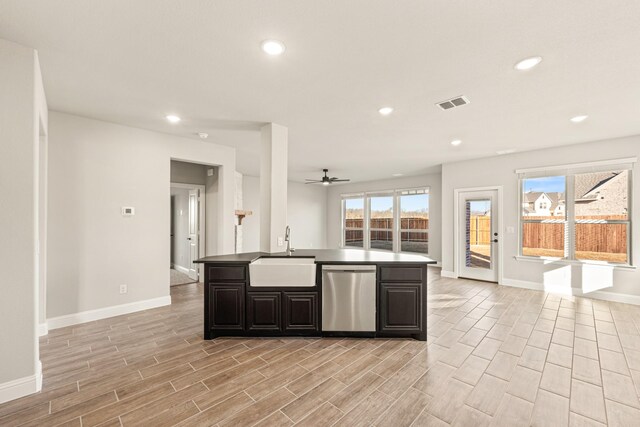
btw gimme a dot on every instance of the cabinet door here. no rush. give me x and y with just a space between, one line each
300 311
263 311
400 307
226 306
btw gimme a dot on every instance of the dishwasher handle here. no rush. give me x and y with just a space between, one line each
349 268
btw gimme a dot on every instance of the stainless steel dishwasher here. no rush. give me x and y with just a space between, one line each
349 298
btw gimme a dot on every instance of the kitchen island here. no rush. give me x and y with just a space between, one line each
234 306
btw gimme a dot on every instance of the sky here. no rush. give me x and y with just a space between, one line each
547 184
412 203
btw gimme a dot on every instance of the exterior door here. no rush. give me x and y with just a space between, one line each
478 235
194 226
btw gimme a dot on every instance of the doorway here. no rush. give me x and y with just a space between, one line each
187 232
477 241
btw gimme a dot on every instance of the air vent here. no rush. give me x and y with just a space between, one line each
453 102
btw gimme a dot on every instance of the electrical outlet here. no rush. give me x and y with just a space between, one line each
280 241
123 289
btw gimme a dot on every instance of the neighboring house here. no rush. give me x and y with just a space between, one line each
538 203
602 193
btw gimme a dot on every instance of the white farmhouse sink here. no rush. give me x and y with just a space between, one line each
283 272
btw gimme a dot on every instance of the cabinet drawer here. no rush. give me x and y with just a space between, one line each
401 274
224 273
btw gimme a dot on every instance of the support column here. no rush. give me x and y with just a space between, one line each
273 187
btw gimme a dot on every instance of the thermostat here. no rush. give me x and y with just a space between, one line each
128 211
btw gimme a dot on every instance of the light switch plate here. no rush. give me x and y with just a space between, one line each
511 230
280 241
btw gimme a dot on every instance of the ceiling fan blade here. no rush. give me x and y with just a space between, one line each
340 180
310 181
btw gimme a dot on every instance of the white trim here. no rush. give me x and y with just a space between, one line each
22 386
564 290
181 269
456 228
546 260
449 274
103 313
43 329
579 165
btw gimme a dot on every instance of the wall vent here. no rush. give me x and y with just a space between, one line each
453 102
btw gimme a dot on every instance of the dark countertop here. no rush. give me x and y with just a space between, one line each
325 256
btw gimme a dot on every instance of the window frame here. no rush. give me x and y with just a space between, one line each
569 213
396 229
343 225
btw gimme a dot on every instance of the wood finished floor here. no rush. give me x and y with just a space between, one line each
495 356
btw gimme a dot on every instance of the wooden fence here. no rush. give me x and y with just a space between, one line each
603 238
479 230
386 232
590 237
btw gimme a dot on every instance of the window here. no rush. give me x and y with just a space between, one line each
414 221
394 221
580 214
381 222
602 216
353 222
543 229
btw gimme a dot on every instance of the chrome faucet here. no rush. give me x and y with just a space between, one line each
287 238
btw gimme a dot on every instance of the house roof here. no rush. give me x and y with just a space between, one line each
587 184
532 196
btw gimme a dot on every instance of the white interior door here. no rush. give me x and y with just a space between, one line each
194 226
478 235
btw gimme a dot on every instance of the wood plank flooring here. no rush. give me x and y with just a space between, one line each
495 356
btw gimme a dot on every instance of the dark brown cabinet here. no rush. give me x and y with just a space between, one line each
264 311
300 311
288 311
226 305
232 307
401 307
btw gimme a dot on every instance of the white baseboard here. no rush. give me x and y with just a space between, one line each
564 290
43 329
22 386
450 274
103 313
181 269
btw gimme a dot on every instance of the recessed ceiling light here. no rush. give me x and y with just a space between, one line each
273 47
397 174
578 119
456 142
528 63
203 135
173 119
508 151
385 111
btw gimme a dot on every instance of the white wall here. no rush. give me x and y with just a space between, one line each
500 171
306 213
95 168
432 180
23 119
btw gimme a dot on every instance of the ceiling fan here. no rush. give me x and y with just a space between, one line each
325 179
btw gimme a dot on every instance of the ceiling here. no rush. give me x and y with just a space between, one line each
133 62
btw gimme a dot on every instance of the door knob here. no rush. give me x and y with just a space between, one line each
495 240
